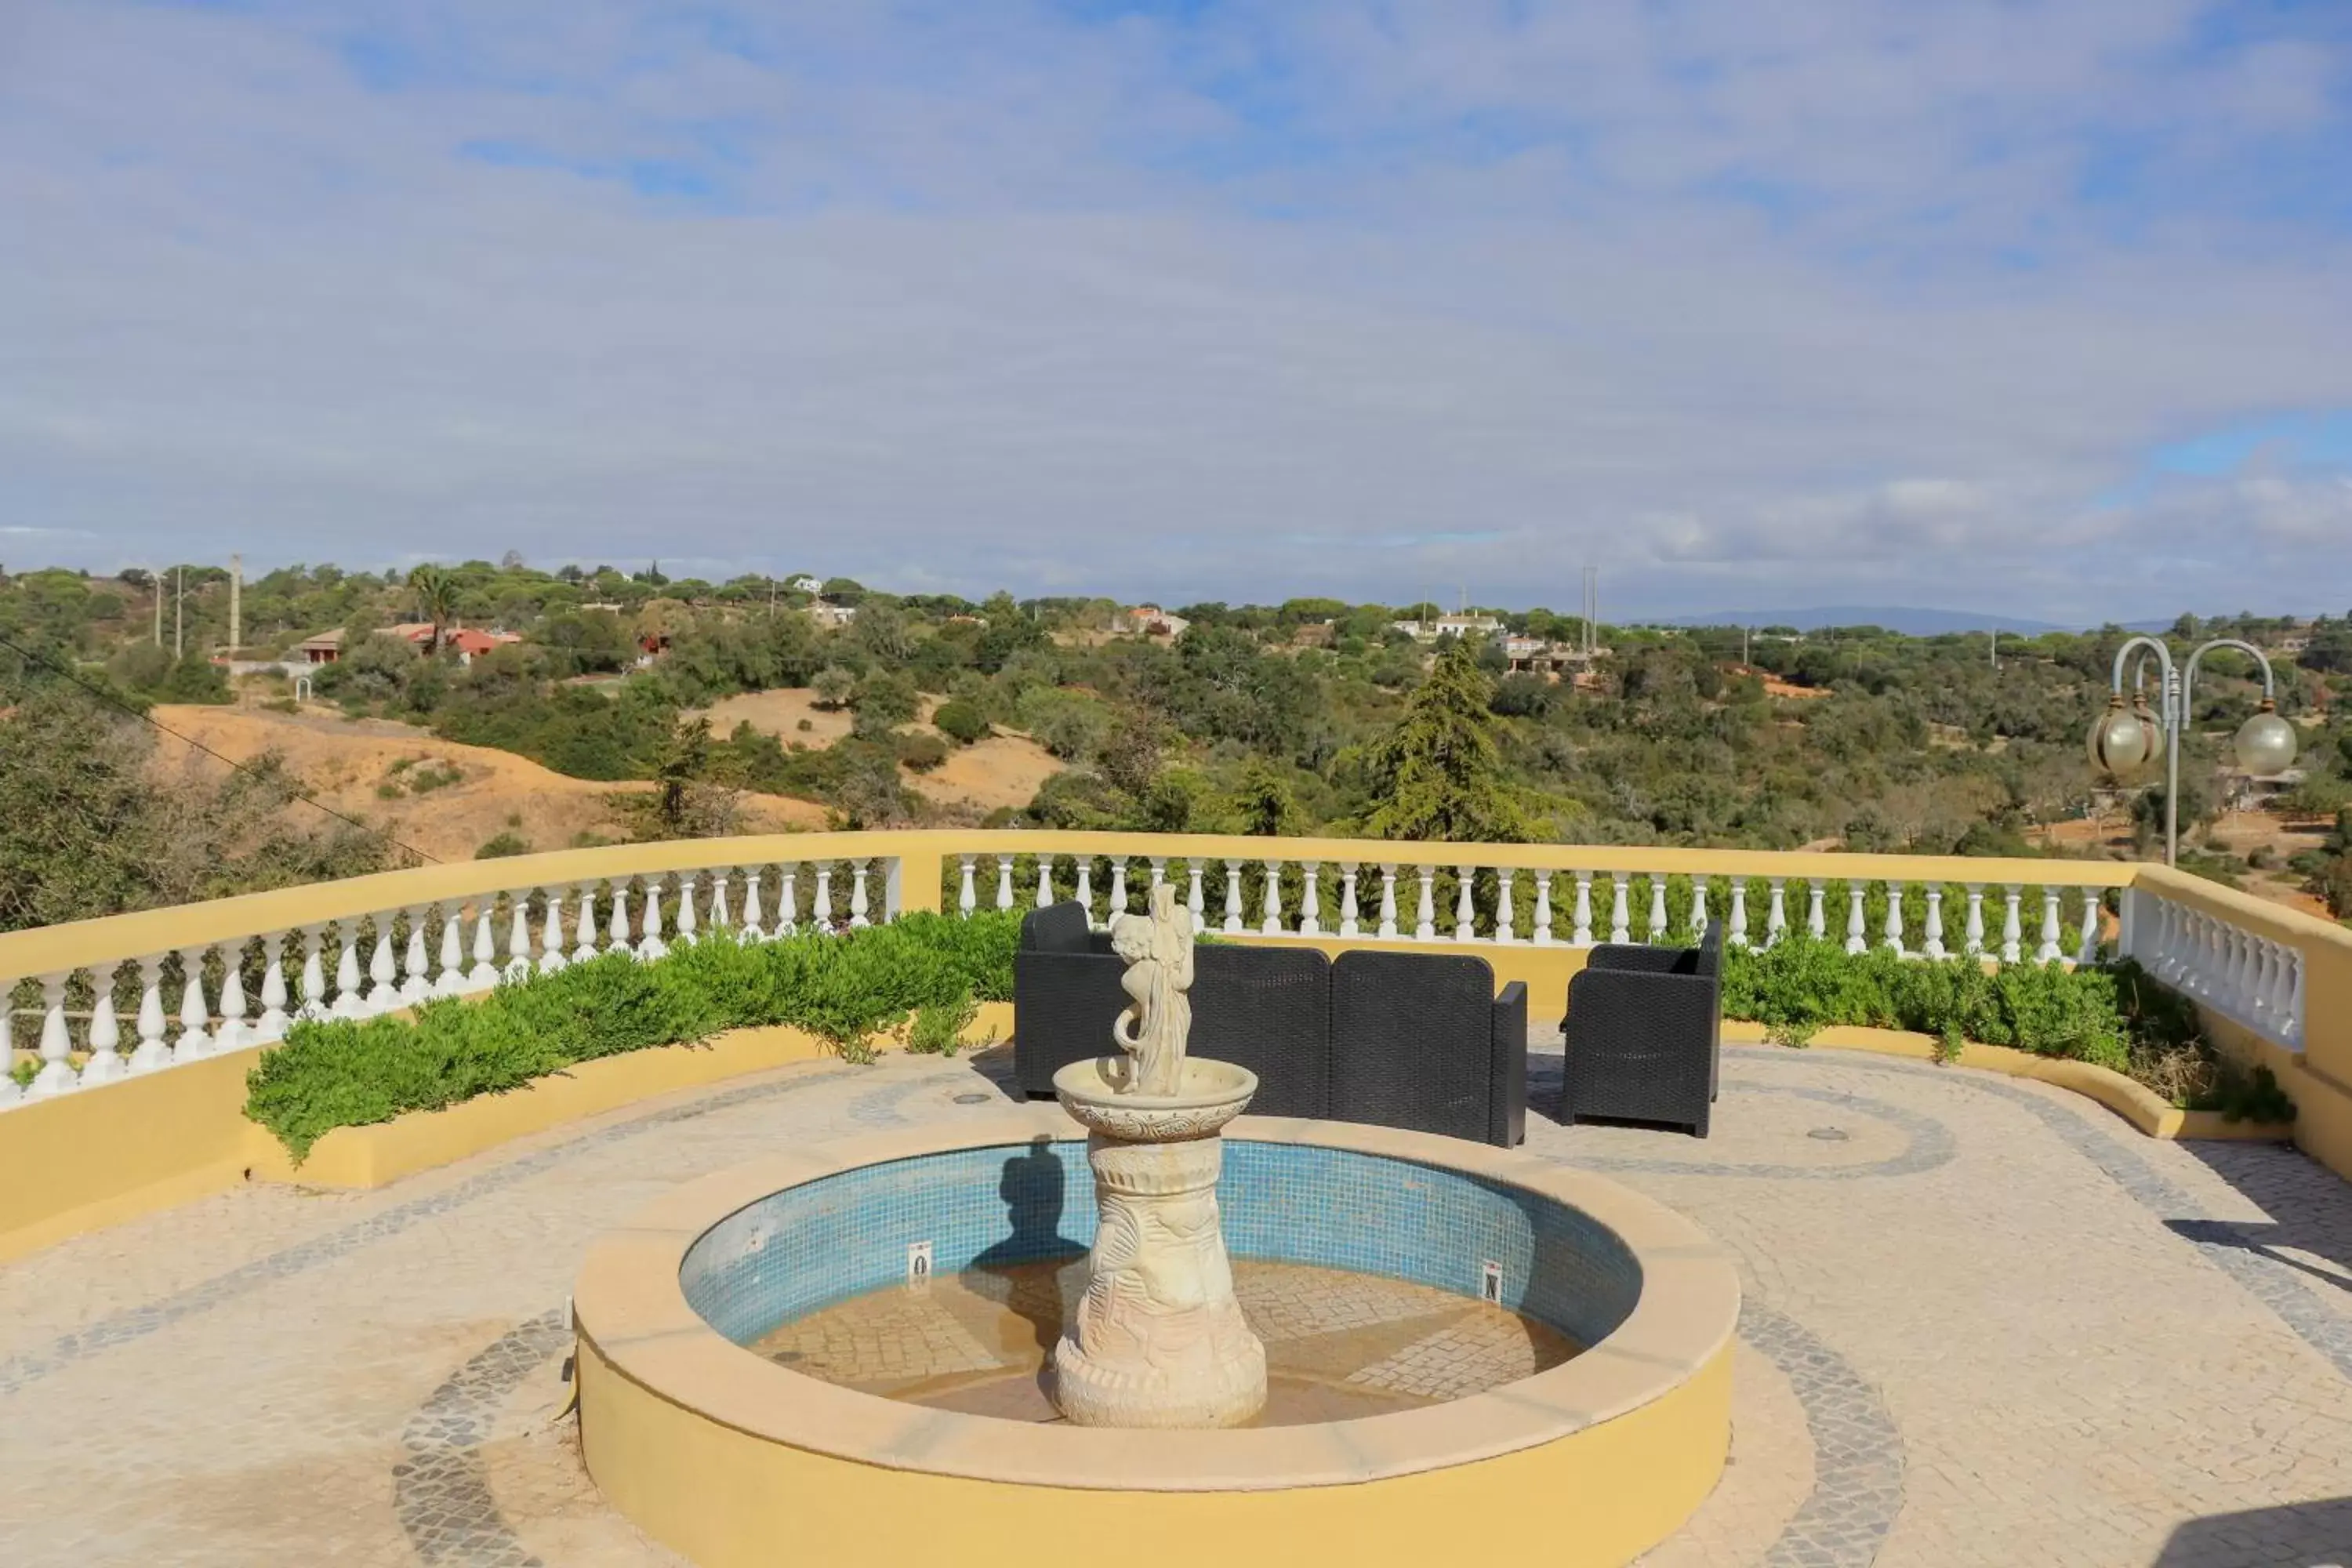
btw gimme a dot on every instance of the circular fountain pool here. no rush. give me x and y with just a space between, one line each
833 1356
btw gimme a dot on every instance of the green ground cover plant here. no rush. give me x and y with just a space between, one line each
844 988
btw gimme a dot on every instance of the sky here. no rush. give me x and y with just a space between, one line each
2042 310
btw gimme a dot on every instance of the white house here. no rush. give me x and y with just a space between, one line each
804 584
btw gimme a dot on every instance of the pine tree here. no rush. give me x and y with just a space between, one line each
1437 775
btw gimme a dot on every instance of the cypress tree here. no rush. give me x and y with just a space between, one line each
1437 775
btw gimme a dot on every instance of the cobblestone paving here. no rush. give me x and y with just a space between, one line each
1987 1324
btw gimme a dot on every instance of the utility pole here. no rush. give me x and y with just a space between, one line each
155 581
180 615
1743 644
1996 649
235 603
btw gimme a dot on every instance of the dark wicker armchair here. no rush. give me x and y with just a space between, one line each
1644 1035
1425 1043
1066 995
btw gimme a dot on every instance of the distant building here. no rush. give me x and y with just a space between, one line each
1148 621
325 648
468 643
1462 626
804 584
832 616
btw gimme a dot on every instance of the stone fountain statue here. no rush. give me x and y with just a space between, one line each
1158 1339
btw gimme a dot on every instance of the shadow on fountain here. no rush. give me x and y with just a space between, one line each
1022 1272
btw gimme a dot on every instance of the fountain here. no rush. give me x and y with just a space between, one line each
1158 1339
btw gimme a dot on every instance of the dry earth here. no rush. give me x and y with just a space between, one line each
344 762
1004 770
2236 833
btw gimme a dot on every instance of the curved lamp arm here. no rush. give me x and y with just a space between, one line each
2146 645
2188 676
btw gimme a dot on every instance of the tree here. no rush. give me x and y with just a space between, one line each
835 686
436 593
962 721
1263 802
1436 774
882 701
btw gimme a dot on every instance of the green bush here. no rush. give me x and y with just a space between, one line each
1799 986
501 844
922 752
845 988
961 722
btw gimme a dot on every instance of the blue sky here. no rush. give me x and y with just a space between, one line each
2037 309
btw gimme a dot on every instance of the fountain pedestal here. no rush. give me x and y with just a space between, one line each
1158 1339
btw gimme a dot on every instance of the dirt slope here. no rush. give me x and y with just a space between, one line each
1001 771
347 763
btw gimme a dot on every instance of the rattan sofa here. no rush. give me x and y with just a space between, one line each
1395 1039
1644 1035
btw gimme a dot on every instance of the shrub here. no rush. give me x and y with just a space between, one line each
845 988
922 752
500 846
962 722
937 1029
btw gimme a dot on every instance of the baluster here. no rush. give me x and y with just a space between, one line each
519 937
1004 883
1972 943
968 900
195 1042
1310 911
485 972
788 901
1776 910
1894 917
2011 930
1086 887
754 919
1657 908
382 994
350 1002
617 928
1737 935
1272 909
2294 1022
1580 932
1855 924
1934 946
1502 912
57 1074
230 1035
1193 898
551 936
2086 951
860 911
1424 924
1045 881
584 927
314 975
1158 876
1465 916
1620 914
152 1053
1349 915
1543 916
273 1020
1699 907
721 917
450 980
416 984
2259 979
105 1063
687 922
1117 887
1233 895
1388 900
821 905
2052 922
1816 920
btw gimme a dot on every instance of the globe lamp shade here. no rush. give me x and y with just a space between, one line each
2265 743
2121 742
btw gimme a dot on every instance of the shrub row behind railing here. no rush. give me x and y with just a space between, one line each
845 988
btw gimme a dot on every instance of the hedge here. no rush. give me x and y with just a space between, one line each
845 988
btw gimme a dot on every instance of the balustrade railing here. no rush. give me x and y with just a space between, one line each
351 952
117 998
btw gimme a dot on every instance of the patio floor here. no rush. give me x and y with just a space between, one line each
1986 1323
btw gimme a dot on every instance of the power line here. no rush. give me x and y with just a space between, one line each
112 701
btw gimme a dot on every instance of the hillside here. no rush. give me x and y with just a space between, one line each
1003 771
370 769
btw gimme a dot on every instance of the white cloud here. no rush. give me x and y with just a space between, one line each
1812 311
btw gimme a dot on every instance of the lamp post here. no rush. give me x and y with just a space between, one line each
2123 741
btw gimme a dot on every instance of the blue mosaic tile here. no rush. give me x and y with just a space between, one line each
809 1246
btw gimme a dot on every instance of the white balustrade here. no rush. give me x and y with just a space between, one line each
57 1074
1934 946
2242 975
1045 881
1893 933
1118 887
1192 896
551 930
1736 935
1087 886
861 910
383 994
688 922
821 901
1003 881
416 983
1776 911
585 927
1854 925
1425 922
1233 897
1502 904
195 1042
231 1033
1388 900
1581 934
616 925
105 1064
1815 918
314 1005
450 980
153 1054
1270 923
1657 908
1311 910
1348 914
1543 933
2052 922
1465 923
2011 932
788 902
272 1024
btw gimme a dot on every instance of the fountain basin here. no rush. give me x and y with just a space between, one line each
1209 1094
730 1459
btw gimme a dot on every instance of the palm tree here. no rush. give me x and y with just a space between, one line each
437 598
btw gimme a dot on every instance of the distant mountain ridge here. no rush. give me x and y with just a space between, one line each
1910 620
